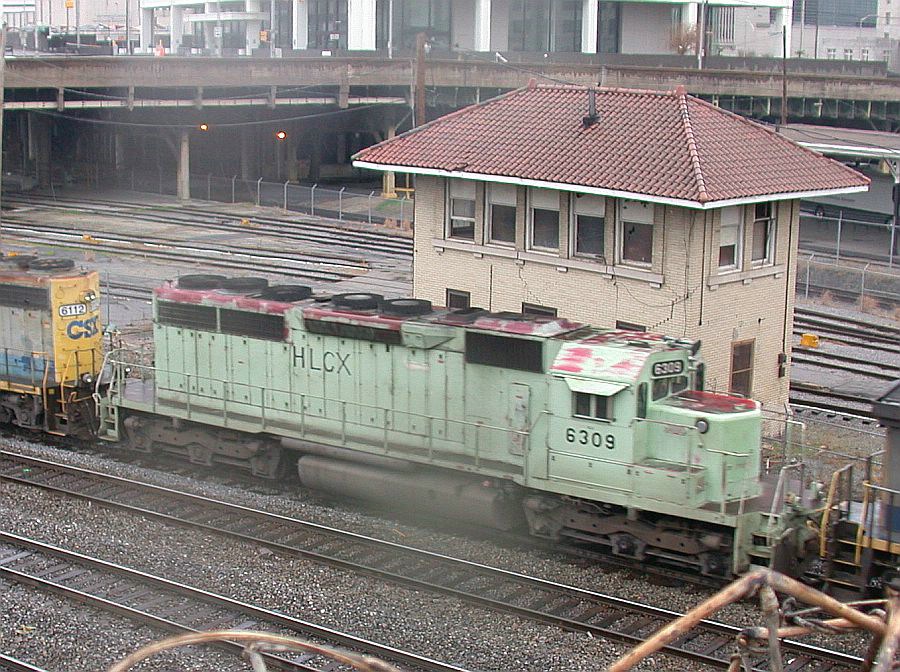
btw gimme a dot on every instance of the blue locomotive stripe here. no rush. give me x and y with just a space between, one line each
24 368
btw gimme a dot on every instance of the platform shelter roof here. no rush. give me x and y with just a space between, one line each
665 147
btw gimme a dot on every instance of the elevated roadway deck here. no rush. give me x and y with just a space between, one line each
455 82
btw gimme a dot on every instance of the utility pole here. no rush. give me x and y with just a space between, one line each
701 34
271 28
127 26
419 106
78 26
784 55
2 84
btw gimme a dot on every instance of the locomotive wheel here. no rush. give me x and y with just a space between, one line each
286 293
200 281
357 300
60 264
244 285
406 306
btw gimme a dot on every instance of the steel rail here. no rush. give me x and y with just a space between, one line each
10 664
603 616
182 251
66 575
202 219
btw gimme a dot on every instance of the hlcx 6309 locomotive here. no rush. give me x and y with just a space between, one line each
598 436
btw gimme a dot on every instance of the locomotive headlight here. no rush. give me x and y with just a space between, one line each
87 379
702 426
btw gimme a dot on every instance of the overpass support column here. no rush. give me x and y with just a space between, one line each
361 25
146 29
248 154
183 177
483 25
590 16
119 152
388 178
300 26
39 147
176 28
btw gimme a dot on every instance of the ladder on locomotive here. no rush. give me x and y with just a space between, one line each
68 392
857 541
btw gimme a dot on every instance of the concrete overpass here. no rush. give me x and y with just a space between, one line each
35 83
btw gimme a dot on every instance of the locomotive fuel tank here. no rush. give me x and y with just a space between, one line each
458 496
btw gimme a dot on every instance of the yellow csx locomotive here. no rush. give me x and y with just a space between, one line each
50 344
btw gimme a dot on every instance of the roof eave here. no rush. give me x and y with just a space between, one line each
599 191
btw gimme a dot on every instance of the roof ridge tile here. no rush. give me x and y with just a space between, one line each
693 151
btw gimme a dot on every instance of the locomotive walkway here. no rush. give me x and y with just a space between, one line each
603 616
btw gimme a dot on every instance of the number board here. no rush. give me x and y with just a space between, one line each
72 310
671 368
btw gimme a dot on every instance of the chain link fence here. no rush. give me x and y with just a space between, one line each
843 235
342 204
858 282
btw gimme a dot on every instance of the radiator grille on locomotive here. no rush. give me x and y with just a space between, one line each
35 298
187 315
252 325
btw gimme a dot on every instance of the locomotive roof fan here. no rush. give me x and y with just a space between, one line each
243 285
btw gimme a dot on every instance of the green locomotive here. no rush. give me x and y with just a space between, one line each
598 436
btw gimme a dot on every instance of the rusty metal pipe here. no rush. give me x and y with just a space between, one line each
731 593
744 587
788 631
768 602
888 651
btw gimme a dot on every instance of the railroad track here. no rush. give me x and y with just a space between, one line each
10 664
314 232
862 332
837 362
603 616
189 253
175 607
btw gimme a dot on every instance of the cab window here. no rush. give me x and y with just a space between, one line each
663 387
592 406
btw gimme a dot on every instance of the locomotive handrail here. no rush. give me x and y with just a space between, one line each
778 497
829 504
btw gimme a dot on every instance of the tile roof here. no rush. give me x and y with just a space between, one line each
661 145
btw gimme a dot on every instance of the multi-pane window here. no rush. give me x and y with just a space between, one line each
543 214
741 368
763 251
327 24
592 406
588 216
502 214
664 387
636 233
848 54
731 238
831 53
456 299
461 209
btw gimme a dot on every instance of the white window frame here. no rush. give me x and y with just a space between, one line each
584 200
636 212
542 199
448 226
771 232
492 191
732 218
831 53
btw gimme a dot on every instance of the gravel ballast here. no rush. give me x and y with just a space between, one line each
437 626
